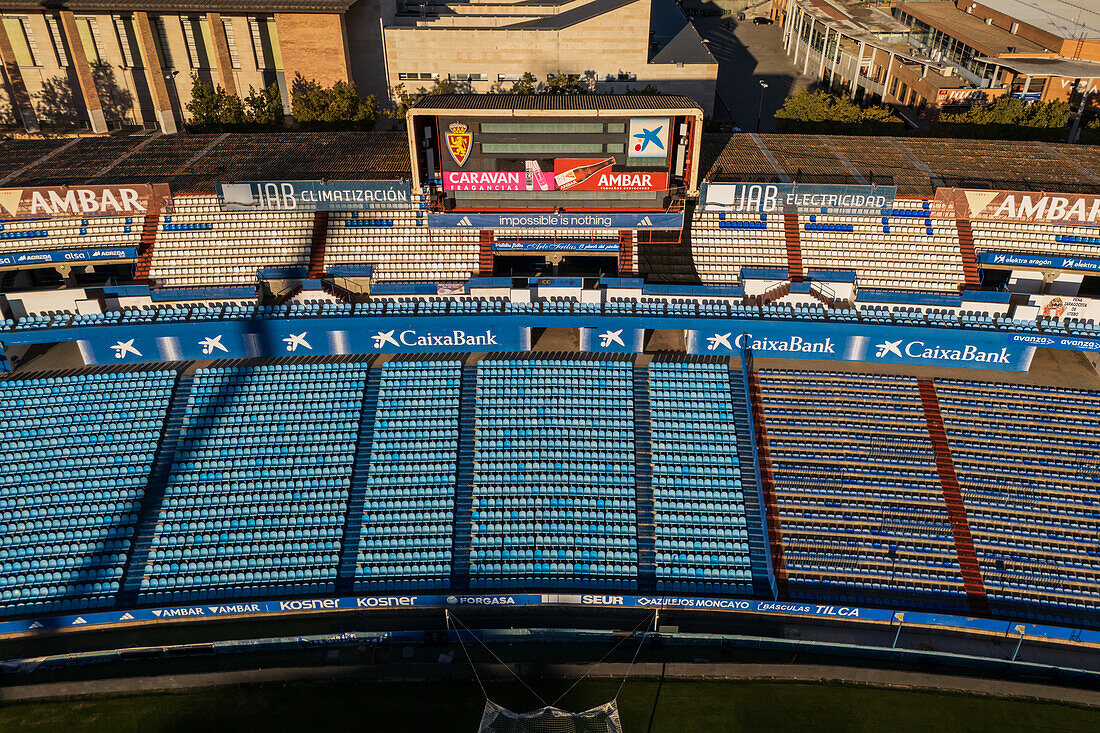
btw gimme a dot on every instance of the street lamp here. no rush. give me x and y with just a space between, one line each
760 109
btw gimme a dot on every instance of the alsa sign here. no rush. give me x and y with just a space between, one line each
81 201
597 174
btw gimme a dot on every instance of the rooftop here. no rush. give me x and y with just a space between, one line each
988 39
194 163
1063 18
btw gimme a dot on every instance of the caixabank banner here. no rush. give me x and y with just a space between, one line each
955 348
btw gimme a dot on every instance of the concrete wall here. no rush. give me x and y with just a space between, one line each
314 46
368 61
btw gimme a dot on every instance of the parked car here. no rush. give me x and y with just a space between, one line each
762 20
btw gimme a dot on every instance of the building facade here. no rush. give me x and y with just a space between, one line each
937 53
111 63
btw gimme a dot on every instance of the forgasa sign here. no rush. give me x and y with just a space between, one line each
81 201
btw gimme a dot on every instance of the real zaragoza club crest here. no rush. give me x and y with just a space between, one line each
459 140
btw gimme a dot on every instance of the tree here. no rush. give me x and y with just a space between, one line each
335 107
265 107
1008 117
820 111
566 84
214 108
527 84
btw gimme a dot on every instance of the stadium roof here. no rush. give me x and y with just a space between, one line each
188 6
554 102
194 163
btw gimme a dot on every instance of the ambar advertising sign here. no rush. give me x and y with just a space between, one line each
1018 206
597 174
531 180
82 201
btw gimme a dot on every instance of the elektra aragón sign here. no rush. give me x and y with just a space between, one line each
1013 259
81 201
805 198
313 195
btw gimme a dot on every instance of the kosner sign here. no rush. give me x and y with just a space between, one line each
81 201
808 198
1021 206
313 195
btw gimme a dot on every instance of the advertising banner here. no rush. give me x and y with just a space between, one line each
497 181
872 344
605 600
1012 259
596 174
555 245
313 195
612 340
804 198
1018 206
68 255
1066 306
81 201
648 138
556 221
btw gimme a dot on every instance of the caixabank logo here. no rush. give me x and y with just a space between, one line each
918 350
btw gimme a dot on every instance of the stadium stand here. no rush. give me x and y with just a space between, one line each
256 501
71 491
399 246
861 509
407 527
553 494
1026 459
698 505
906 250
198 244
34 235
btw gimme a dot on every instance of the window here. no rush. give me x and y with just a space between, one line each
160 35
616 128
127 41
625 76
265 43
615 147
417 76
196 33
88 30
231 41
468 77
22 42
546 148
58 41
513 77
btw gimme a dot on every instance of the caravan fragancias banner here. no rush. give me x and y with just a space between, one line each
1018 206
81 201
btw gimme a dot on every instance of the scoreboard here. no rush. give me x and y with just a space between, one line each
480 154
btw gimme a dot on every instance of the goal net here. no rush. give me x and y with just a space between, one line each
602 719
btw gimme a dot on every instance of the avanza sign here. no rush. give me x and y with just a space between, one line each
81 201
1017 206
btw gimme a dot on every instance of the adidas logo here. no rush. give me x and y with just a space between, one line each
645 222
79 620
35 625
465 222
126 617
